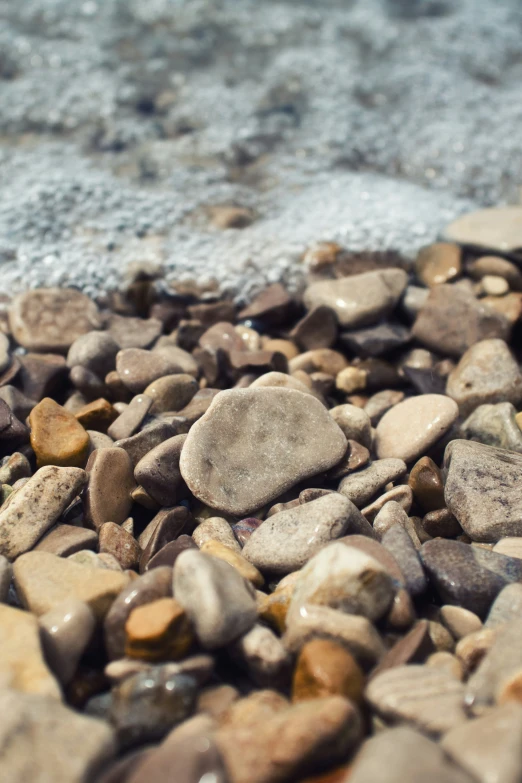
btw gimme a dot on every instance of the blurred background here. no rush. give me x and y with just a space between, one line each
220 138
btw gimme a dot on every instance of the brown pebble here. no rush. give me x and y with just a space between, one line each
57 438
324 668
158 631
97 415
115 541
426 484
111 481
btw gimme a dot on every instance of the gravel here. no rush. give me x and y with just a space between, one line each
371 122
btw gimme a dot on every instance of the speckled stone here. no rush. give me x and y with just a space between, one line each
51 319
217 599
354 422
235 457
410 428
287 540
487 373
363 485
36 506
467 576
116 541
217 529
452 320
359 300
483 489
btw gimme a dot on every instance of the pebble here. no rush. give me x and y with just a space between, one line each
98 440
353 632
288 539
483 489
51 319
413 426
290 742
467 576
351 379
149 587
242 566
270 306
142 442
495 229
401 495
96 351
188 754
510 546
107 497
344 578
263 425
133 332
36 506
19 403
22 664
375 340
216 598
97 415
498 267
506 607
158 631
317 329
324 668
280 380
356 457
459 621
489 748
405 750
65 632
159 474
65 540
452 320
427 697
138 368
359 300
494 425
262 655
168 525
216 529
57 437
168 555
426 483
42 740
364 484
146 706
115 541
171 392
381 402
487 373
397 541
493 285
354 423
43 581
131 418
438 263
320 360
415 647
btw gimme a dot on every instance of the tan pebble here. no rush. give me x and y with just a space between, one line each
351 379
97 415
448 662
438 263
440 636
471 649
286 347
57 438
223 552
158 631
216 700
324 668
250 338
216 529
493 285
459 621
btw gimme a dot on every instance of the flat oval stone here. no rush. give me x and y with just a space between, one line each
133 332
483 489
171 392
468 576
36 506
287 540
237 456
65 540
362 485
359 300
496 229
111 481
51 319
57 437
410 428
138 368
